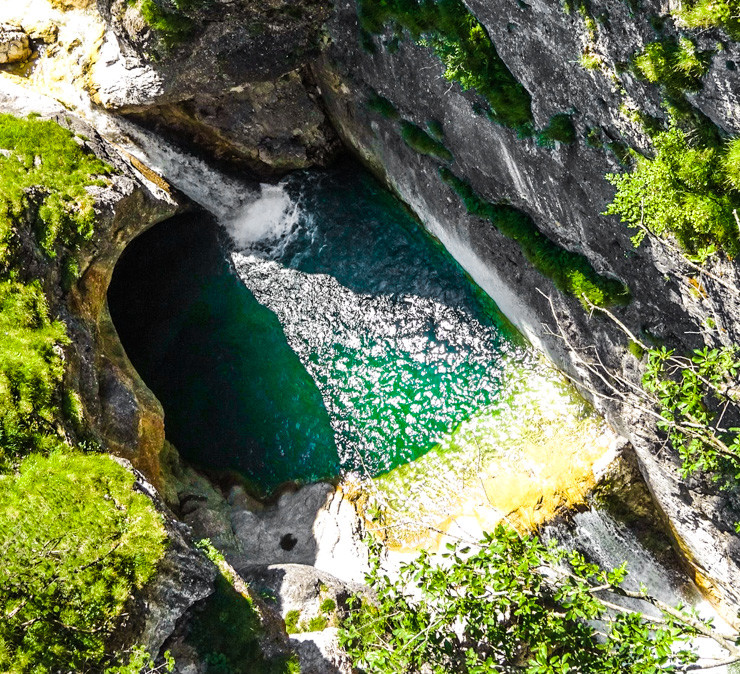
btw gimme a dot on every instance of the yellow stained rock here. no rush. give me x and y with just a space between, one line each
525 463
73 31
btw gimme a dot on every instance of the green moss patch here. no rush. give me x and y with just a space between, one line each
31 371
382 106
76 541
418 139
709 14
559 129
43 168
571 273
173 27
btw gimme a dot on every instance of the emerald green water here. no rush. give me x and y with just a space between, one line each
325 332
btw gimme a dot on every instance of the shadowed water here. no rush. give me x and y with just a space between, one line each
327 332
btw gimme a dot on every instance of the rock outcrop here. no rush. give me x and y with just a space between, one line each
233 82
562 188
14 45
121 413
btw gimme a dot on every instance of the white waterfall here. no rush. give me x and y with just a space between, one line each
606 541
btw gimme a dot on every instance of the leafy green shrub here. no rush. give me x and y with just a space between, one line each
291 621
418 139
462 44
75 541
684 190
31 371
559 129
675 64
710 13
571 273
694 395
511 604
46 168
382 106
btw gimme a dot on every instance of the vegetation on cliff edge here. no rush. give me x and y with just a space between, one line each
462 44
45 171
75 539
690 189
571 272
709 14
508 604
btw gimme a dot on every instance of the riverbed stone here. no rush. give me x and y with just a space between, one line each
14 44
314 525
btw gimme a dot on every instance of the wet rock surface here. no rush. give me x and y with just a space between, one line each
233 84
184 577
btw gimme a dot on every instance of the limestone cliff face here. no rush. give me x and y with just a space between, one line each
563 189
121 414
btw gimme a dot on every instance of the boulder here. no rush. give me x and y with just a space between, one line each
14 44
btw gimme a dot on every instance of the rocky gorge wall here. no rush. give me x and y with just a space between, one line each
561 186
267 87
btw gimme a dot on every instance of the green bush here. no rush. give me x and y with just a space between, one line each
710 13
462 44
75 541
675 64
687 189
31 370
571 273
418 139
47 169
559 129
511 604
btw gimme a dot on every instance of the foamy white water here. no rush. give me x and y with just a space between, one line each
270 217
